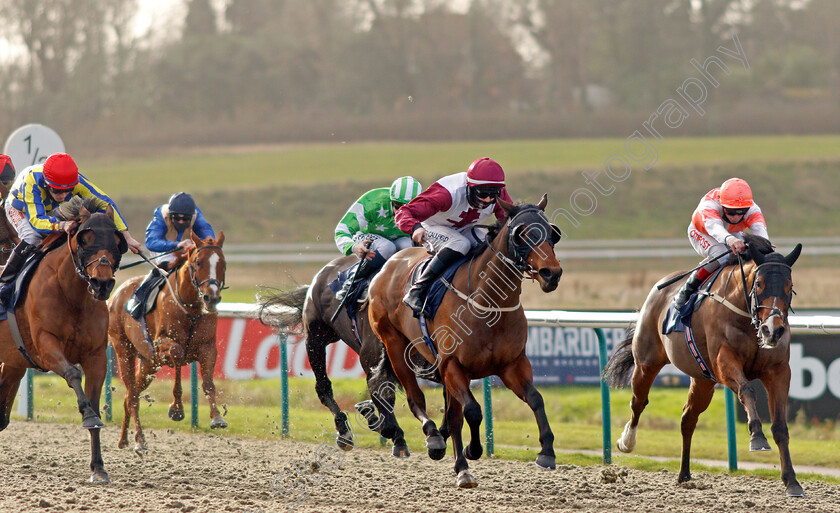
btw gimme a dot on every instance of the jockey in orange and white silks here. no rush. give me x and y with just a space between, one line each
444 215
717 226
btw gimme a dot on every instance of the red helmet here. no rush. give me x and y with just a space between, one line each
7 169
486 171
60 171
735 193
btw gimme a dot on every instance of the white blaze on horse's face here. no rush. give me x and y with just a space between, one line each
214 275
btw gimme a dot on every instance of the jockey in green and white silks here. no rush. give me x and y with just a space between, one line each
371 218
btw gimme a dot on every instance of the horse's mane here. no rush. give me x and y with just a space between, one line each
493 231
71 209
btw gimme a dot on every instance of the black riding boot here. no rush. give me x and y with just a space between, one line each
689 287
10 270
136 304
365 270
416 297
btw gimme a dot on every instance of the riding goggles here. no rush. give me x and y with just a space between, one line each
735 212
485 192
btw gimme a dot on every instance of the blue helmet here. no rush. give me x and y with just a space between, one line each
181 203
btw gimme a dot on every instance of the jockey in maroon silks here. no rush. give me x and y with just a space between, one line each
444 215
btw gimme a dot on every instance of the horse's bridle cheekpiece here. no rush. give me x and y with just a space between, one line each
539 230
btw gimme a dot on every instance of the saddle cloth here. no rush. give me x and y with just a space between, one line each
22 281
677 321
437 290
355 297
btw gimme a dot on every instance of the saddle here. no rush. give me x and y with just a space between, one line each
142 302
678 321
357 296
438 289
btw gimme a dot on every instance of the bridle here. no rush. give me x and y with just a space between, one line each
193 272
540 230
82 268
753 299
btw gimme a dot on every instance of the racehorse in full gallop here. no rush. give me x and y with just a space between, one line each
63 319
479 329
741 333
179 330
313 307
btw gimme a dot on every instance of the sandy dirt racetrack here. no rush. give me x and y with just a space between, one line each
46 469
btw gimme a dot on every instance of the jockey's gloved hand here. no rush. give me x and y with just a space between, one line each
362 250
736 245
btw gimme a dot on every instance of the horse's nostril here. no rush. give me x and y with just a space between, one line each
779 332
546 273
765 331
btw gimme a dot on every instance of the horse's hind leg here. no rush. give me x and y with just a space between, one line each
142 378
519 378
777 383
126 361
699 396
732 375
643 376
94 368
316 349
9 382
383 391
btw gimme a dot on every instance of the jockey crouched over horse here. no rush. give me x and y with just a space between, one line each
732 330
54 314
476 321
333 308
169 317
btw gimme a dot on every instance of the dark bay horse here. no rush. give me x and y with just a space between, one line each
182 327
478 332
742 333
312 307
63 319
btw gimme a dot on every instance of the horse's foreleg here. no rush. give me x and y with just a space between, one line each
316 349
52 354
732 375
457 390
777 384
519 378
95 369
207 361
126 359
176 409
699 396
454 415
643 376
143 377
9 382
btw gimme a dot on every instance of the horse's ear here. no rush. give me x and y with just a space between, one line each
757 255
109 211
221 240
543 202
121 242
195 238
556 234
791 258
504 204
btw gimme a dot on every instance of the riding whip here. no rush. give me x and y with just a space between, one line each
683 275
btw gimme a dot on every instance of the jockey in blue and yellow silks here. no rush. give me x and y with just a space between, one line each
35 195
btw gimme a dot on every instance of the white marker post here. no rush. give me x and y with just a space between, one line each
32 144
29 145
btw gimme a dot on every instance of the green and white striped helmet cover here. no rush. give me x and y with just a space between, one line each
405 189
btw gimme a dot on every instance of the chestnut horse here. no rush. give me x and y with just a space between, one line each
312 307
183 328
479 330
63 319
741 332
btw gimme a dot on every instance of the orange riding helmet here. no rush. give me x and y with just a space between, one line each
736 193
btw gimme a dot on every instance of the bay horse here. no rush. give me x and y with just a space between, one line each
312 307
182 326
475 334
741 331
63 319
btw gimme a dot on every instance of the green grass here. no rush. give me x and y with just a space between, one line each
307 164
574 413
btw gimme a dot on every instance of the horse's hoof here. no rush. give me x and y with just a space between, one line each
684 478
466 480
93 422
795 490
759 444
218 423
140 448
437 454
100 477
345 444
176 415
122 444
435 442
546 462
470 455
401 451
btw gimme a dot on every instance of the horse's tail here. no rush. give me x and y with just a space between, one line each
617 371
282 310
